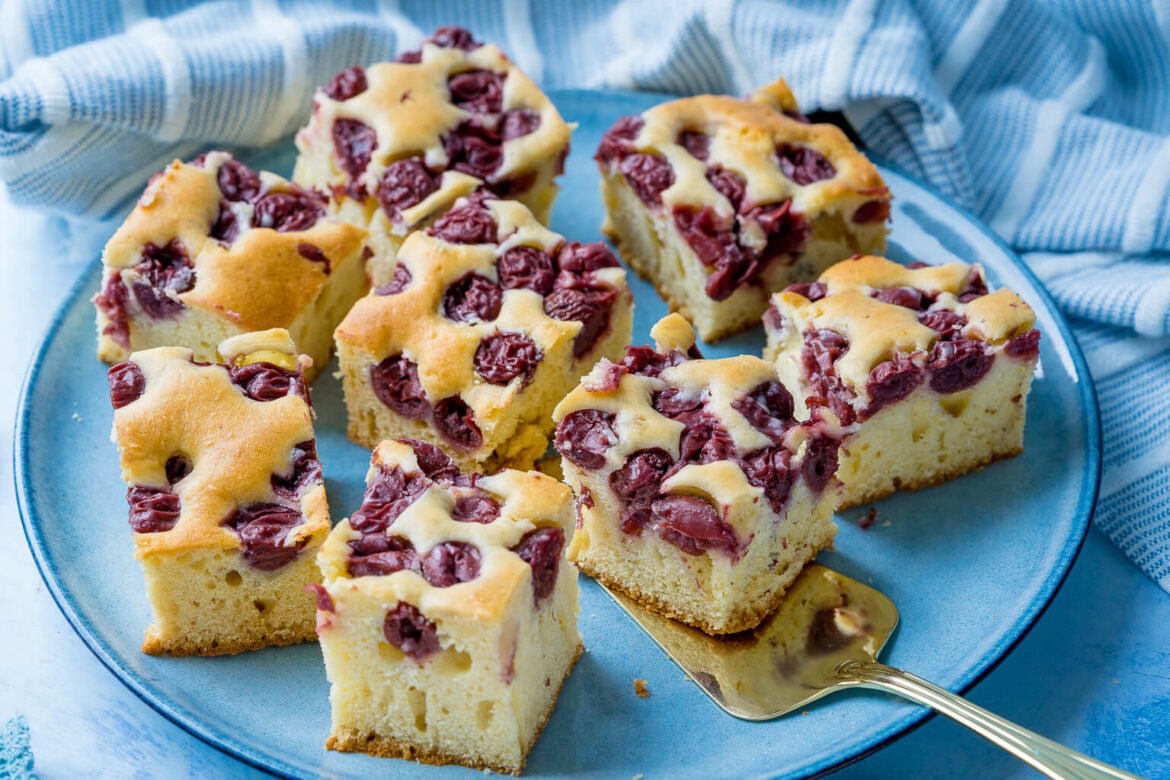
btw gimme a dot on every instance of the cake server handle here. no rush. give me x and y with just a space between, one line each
1044 755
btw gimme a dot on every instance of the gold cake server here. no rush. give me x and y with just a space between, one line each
826 637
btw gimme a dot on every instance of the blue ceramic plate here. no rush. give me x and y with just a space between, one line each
970 564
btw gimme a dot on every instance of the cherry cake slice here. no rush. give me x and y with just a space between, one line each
215 249
394 144
447 620
488 320
926 371
698 492
226 499
720 202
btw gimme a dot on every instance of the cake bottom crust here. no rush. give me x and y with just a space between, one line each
346 741
900 486
744 619
152 644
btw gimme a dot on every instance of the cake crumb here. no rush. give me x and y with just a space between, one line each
1115 681
886 524
77 417
867 521
804 712
638 777
640 688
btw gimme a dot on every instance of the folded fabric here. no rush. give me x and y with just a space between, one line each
1050 120
16 756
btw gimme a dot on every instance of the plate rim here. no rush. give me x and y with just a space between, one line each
1086 506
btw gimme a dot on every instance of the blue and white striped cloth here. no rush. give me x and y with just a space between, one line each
1048 118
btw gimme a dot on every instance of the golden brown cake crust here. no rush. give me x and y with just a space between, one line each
528 500
746 617
790 196
263 280
258 281
153 645
189 409
997 315
722 382
744 135
412 324
877 330
388 747
408 106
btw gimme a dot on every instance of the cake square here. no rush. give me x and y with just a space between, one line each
927 372
214 250
720 202
395 144
447 621
489 320
698 494
227 503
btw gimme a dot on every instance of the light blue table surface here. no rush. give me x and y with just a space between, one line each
1094 672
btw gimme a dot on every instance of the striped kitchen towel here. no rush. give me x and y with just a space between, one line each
16 757
1048 118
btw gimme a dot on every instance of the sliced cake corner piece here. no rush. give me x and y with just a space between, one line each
447 621
214 249
927 371
395 144
226 527
698 494
719 202
490 319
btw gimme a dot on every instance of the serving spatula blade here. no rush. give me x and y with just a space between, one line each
826 636
789 659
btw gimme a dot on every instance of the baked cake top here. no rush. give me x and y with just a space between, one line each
482 303
448 543
879 327
743 175
721 429
432 126
220 455
215 234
